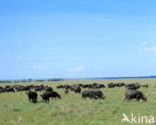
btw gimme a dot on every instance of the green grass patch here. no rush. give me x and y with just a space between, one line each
72 109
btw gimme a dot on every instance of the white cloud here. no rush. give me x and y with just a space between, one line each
145 43
150 49
76 70
146 48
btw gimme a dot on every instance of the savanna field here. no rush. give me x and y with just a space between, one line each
15 109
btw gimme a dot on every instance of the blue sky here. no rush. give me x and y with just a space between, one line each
77 38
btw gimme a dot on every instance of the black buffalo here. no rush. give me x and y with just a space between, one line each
49 89
93 94
32 96
146 86
46 95
134 94
133 86
66 91
50 94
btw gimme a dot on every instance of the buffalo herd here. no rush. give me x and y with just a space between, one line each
91 91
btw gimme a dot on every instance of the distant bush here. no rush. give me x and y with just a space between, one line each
30 80
56 79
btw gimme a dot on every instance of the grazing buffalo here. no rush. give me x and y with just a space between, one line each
134 94
64 86
49 94
46 95
22 88
9 89
111 85
77 89
133 86
120 84
2 89
95 94
146 86
32 96
49 89
56 95
66 91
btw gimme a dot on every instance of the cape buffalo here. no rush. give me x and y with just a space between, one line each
134 94
32 96
93 94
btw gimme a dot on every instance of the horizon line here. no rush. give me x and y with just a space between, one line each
79 78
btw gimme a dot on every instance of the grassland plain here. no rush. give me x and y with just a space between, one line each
15 109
